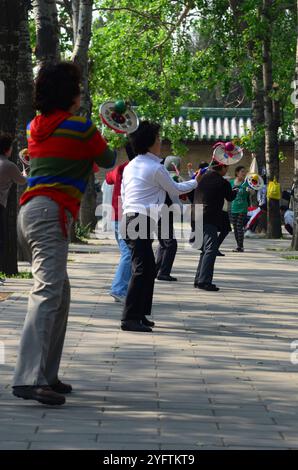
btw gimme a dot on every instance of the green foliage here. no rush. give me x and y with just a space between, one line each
20 275
252 140
282 157
116 141
130 61
82 231
177 134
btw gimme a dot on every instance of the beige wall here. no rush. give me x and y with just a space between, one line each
199 152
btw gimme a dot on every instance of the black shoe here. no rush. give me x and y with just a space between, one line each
162 277
134 325
41 393
238 250
147 322
60 387
198 284
219 253
208 287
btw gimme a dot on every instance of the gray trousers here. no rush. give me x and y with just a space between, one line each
40 235
209 249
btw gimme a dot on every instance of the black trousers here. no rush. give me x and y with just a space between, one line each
238 221
225 228
209 249
167 249
141 286
3 236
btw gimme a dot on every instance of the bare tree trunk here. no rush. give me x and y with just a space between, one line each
47 31
271 111
75 18
258 117
82 24
295 181
82 31
25 96
11 11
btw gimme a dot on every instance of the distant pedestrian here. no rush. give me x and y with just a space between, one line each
239 206
211 192
9 174
123 272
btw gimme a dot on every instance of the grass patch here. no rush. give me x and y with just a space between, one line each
20 275
82 232
293 257
278 249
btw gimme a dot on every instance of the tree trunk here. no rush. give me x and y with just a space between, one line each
88 206
11 11
258 117
75 18
82 32
25 95
47 31
82 23
295 181
271 111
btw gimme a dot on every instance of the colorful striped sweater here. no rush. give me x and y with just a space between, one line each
63 149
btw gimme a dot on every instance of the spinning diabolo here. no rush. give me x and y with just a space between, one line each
119 116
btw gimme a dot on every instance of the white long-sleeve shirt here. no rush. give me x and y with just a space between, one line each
145 184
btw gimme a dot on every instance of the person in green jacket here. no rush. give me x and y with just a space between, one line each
239 206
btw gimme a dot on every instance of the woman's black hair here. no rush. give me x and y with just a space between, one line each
238 168
6 141
144 137
57 86
129 152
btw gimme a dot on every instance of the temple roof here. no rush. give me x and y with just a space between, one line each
218 123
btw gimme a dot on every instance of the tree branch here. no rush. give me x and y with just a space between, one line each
183 15
136 12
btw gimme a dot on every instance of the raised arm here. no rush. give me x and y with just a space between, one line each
103 156
16 176
167 183
229 193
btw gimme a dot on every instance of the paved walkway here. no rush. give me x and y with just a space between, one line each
216 373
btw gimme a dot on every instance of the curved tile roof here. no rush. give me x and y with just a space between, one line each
216 123
219 123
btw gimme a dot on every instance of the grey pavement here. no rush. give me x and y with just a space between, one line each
216 373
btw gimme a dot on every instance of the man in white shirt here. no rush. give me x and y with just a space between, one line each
144 186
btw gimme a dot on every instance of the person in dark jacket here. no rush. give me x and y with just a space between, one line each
211 192
9 174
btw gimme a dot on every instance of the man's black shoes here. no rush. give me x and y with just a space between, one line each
162 277
219 253
60 387
147 322
135 325
41 393
206 286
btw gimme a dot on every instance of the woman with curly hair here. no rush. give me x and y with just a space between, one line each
63 148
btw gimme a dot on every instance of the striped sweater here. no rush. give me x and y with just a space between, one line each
63 149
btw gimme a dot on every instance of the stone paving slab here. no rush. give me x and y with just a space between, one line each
215 373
